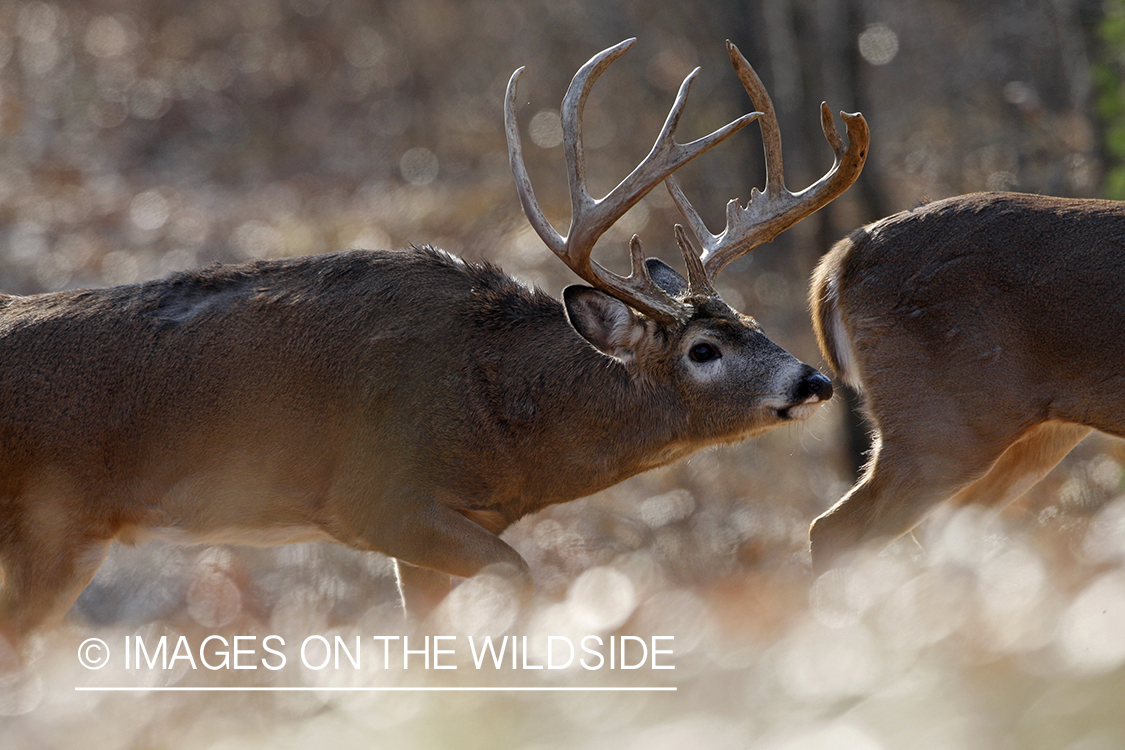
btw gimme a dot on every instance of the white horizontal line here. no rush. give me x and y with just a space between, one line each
376 689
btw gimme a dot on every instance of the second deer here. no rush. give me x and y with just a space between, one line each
984 332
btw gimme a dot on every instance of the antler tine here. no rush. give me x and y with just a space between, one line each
698 282
573 103
771 131
531 208
771 212
665 157
590 217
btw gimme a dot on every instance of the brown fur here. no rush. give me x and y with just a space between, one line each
402 402
984 332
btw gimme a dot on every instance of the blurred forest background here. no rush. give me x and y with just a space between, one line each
138 137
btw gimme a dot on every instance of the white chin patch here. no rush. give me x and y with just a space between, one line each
787 411
800 412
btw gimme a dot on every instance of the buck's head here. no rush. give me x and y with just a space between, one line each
733 381
675 331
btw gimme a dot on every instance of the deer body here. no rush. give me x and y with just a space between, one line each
402 402
984 332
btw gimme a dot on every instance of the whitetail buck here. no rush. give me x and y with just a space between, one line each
985 333
403 402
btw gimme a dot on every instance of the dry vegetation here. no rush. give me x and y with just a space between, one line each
142 137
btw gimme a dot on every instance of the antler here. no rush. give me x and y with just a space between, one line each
769 213
590 218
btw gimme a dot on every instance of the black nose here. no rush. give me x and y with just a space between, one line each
813 384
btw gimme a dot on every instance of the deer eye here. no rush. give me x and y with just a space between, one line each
703 353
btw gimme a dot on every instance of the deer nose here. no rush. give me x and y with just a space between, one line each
813 386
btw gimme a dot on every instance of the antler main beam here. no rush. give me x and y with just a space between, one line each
772 211
590 217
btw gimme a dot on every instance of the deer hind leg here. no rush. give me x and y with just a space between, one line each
42 581
903 482
1026 461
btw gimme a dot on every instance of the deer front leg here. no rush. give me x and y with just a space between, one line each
431 542
421 589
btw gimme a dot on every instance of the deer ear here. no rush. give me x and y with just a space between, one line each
606 322
666 277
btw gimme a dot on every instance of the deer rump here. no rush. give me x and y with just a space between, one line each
984 334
